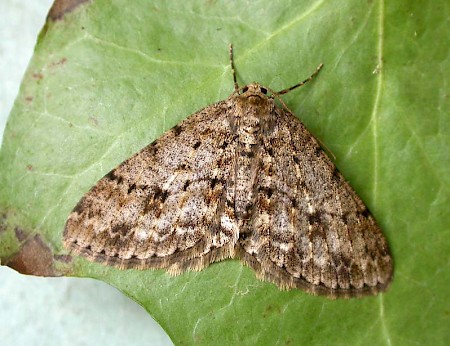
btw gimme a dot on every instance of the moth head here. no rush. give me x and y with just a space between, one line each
255 92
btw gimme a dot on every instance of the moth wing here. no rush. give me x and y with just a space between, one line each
163 207
309 229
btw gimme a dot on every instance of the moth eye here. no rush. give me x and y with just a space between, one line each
263 90
244 89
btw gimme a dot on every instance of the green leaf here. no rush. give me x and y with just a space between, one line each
109 77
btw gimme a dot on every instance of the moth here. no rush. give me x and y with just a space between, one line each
242 178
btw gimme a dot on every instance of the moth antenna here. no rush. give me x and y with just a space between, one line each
236 86
284 91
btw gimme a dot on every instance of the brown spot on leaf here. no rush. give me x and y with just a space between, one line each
93 120
29 99
38 75
21 235
34 258
2 222
267 311
61 7
29 168
60 62
270 310
63 258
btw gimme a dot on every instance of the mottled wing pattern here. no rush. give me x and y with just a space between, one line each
310 229
164 207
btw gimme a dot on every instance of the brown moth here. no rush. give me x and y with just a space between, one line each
242 178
